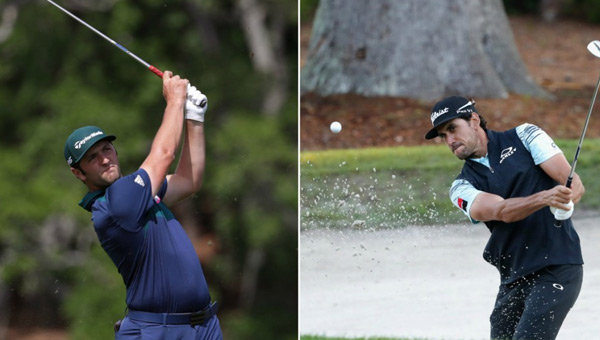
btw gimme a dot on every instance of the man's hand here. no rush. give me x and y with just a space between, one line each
559 197
577 189
558 168
174 88
560 214
195 105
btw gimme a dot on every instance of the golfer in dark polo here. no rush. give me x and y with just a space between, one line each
512 181
167 294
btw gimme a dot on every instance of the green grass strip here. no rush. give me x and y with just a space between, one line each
397 186
330 162
317 337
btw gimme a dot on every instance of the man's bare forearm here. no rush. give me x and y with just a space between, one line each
518 208
490 207
168 136
192 161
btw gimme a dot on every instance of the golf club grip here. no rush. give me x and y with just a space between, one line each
558 223
156 71
569 182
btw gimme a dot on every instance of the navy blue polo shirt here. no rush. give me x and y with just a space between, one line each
152 252
511 169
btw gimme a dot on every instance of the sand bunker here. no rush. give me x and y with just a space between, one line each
428 282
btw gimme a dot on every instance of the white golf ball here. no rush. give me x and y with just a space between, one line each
335 127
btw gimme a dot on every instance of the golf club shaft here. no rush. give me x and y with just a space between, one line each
140 60
558 223
585 126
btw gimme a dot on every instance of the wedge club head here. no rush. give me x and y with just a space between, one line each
594 48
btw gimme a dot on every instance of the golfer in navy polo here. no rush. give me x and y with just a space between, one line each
167 294
512 181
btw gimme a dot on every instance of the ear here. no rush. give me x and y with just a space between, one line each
475 119
78 174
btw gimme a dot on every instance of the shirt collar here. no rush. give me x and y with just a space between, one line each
89 199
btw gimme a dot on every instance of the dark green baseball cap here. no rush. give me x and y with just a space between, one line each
81 140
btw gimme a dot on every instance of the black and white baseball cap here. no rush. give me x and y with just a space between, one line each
448 109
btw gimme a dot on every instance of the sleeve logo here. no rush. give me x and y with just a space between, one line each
462 204
139 181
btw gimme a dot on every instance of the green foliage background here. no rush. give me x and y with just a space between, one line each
586 10
56 75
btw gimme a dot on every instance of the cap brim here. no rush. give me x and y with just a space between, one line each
434 132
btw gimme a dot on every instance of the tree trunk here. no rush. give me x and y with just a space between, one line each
423 49
8 18
266 46
550 10
255 259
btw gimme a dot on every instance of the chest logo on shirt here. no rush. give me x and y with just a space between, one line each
462 204
139 180
507 153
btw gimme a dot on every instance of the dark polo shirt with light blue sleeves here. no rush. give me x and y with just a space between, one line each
511 169
148 245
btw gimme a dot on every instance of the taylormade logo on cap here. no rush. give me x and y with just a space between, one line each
81 140
79 143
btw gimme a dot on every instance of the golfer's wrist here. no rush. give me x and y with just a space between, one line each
194 116
178 105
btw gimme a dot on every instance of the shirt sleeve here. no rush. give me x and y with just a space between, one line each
129 199
163 190
462 195
537 142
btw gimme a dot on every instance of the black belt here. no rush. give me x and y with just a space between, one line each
195 318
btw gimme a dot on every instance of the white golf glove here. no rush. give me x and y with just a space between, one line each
196 104
561 215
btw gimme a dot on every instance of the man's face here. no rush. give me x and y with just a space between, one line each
461 137
100 166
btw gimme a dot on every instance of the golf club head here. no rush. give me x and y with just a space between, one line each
594 48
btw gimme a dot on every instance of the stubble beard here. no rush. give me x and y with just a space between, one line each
109 177
468 148
465 153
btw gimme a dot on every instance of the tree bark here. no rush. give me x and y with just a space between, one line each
423 49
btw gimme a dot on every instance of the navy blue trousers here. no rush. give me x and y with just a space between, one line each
534 307
139 330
